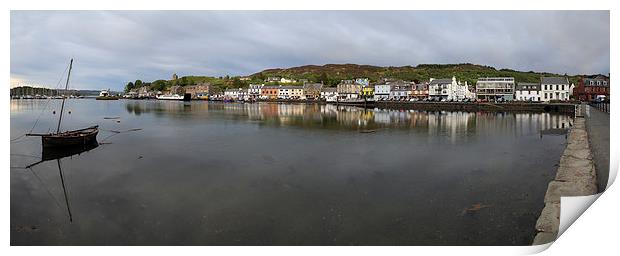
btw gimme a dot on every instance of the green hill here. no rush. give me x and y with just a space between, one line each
331 74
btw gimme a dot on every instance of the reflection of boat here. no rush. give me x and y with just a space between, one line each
53 153
80 137
62 182
105 95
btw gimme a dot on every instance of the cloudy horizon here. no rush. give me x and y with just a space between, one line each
113 47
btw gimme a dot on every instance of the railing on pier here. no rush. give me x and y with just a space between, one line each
602 106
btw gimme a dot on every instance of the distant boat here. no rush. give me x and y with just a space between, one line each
80 137
185 97
105 95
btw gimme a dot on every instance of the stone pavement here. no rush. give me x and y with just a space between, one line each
597 124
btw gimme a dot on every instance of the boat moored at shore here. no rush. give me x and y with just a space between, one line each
185 97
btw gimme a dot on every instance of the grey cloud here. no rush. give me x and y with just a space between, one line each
113 47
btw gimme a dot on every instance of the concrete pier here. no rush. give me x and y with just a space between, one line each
576 176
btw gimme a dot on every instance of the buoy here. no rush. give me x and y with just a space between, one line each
54 112
69 111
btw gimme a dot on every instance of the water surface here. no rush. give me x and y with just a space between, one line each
203 173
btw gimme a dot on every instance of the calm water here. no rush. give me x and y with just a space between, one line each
281 174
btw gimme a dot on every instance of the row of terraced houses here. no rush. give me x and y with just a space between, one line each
447 89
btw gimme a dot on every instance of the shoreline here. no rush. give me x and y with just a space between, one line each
566 108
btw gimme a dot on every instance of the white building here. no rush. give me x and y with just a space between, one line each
254 90
287 80
236 94
554 88
449 89
527 92
329 94
232 93
382 91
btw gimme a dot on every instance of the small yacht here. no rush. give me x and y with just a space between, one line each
105 95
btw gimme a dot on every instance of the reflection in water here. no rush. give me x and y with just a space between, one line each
453 124
206 173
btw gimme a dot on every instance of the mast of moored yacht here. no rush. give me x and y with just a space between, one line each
62 107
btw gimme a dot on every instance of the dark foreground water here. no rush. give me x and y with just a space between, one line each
281 174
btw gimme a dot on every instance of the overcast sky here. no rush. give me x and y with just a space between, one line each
113 47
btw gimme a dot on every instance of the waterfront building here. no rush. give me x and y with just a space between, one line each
290 92
368 92
400 92
527 92
312 90
176 89
243 94
269 92
554 88
329 93
348 89
449 89
382 91
591 87
495 88
145 92
419 91
440 88
254 91
234 93
199 91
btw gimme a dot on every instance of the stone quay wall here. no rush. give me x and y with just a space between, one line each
575 176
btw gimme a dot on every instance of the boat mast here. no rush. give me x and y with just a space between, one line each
63 98
62 180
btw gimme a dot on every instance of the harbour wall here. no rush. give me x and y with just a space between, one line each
576 176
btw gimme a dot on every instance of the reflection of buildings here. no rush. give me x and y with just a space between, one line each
451 124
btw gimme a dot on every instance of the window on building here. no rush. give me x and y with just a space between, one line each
562 87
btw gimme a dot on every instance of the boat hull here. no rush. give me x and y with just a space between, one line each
76 138
106 98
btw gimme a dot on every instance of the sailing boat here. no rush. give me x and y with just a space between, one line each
80 137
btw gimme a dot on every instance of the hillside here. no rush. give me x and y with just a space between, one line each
332 73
